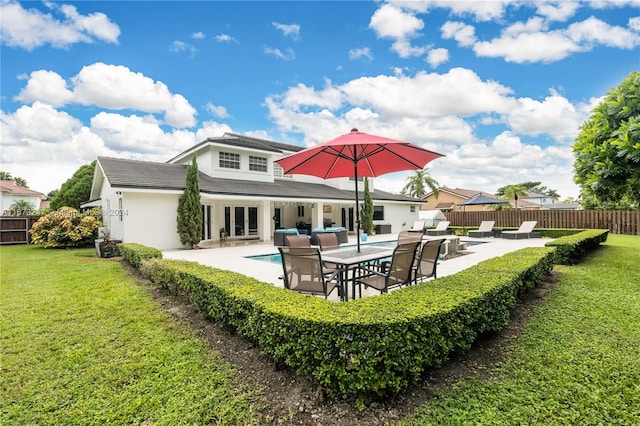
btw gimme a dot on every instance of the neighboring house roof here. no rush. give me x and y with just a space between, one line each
163 176
444 206
10 187
560 206
462 193
241 141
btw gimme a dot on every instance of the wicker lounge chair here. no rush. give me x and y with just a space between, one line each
305 273
399 272
485 229
440 229
525 231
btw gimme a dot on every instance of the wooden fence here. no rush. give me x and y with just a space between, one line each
616 221
15 229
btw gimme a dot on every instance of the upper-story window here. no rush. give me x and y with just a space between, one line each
278 171
229 160
257 164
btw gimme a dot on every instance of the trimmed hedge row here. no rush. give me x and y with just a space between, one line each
572 248
370 347
135 253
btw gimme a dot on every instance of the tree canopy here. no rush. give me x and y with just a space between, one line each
416 185
607 150
530 186
18 180
76 189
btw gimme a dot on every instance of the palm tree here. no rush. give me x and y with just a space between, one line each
22 208
20 182
5 176
417 184
513 192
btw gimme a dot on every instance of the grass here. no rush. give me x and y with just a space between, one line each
81 343
578 360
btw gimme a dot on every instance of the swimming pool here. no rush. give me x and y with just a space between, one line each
275 257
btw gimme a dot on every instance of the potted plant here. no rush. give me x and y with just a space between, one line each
223 234
106 247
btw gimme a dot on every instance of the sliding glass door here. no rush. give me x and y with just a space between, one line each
241 221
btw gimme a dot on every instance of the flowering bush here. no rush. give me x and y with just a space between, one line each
65 227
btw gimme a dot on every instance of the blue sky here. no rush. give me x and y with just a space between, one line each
500 87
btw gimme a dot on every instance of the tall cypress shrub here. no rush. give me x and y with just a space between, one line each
366 214
189 209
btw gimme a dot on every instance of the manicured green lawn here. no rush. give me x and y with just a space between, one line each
578 361
81 343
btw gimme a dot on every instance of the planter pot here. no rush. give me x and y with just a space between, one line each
364 237
107 248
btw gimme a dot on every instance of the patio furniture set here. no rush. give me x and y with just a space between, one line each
321 270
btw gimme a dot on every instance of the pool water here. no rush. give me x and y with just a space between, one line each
275 257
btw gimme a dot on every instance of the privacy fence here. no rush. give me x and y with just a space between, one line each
616 221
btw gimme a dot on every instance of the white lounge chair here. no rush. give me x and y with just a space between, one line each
418 226
485 229
440 229
525 231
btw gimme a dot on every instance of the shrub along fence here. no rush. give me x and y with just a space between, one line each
373 347
616 221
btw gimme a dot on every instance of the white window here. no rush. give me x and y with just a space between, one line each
229 160
278 171
257 164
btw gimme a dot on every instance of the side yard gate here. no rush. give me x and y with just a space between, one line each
616 221
15 230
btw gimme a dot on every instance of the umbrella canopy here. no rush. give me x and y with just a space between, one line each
355 155
480 199
476 200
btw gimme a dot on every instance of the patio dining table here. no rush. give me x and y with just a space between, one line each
349 262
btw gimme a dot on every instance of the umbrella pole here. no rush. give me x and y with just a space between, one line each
355 173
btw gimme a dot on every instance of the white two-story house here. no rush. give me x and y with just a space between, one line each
243 191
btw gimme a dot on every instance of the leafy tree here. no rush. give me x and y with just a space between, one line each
22 208
189 210
417 184
52 194
366 214
75 190
20 182
536 187
607 166
513 192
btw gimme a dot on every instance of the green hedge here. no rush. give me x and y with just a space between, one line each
370 347
376 346
135 253
571 248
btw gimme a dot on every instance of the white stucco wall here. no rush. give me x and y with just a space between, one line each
150 220
399 215
6 200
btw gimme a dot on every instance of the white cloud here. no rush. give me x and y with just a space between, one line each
117 87
179 46
198 35
289 30
634 23
360 52
557 11
401 26
532 42
555 116
30 28
45 86
493 10
216 111
225 38
464 34
38 122
436 57
288 55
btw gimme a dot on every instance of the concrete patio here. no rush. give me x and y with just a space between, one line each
232 256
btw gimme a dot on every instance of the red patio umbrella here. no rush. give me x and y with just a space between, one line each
357 154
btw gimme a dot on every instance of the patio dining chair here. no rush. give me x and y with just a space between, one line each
328 241
399 272
427 262
408 237
298 241
305 273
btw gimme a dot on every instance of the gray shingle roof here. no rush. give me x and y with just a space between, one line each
162 176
